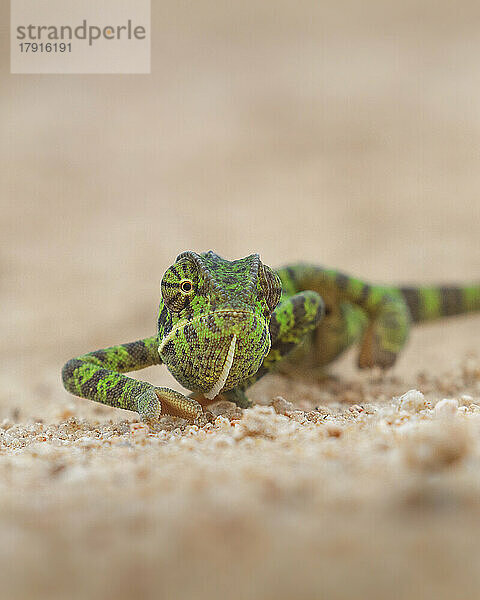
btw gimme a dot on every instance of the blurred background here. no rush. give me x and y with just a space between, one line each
340 132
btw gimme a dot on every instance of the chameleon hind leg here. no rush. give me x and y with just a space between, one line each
385 308
98 376
291 322
342 326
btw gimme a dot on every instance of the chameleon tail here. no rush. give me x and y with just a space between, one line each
432 302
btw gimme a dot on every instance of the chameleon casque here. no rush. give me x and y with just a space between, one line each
223 324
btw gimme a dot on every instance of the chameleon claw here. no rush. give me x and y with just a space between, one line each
148 406
373 354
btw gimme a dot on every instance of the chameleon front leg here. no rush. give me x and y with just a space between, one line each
98 376
292 320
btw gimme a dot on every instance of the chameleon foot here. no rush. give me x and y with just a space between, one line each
164 401
372 354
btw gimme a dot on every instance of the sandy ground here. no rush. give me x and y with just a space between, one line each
345 133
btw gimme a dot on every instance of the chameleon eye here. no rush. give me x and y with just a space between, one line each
271 286
178 287
186 286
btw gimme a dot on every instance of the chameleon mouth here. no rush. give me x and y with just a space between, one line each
225 371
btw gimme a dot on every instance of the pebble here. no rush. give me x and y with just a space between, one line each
412 401
446 407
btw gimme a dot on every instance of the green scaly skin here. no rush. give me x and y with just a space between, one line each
224 324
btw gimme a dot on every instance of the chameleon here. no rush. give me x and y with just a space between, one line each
222 325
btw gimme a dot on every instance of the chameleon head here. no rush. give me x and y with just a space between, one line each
214 319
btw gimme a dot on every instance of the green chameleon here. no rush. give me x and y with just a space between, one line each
223 324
